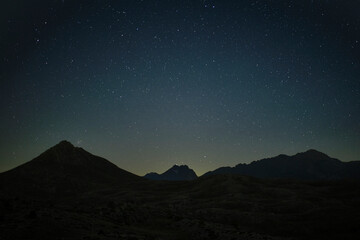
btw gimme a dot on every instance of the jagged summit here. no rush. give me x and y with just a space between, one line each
180 167
177 165
175 173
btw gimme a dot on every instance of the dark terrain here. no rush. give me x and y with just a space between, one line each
67 193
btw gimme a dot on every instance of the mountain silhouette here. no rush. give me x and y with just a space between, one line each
175 173
309 165
68 193
64 169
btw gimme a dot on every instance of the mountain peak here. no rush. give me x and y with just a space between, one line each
313 154
313 151
175 173
180 166
62 150
65 168
64 144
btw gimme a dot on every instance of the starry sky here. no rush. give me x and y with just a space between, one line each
207 83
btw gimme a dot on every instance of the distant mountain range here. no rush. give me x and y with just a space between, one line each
309 165
65 170
175 173
77 195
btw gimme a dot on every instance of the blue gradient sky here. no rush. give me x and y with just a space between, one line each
148 84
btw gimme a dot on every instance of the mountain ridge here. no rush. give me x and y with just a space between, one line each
308 165
77 195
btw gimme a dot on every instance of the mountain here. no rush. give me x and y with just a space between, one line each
64 169
76 195
309 165
176 173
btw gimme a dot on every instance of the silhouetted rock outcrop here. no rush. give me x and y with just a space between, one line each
309 165
176 173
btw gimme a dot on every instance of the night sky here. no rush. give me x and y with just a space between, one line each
150 84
